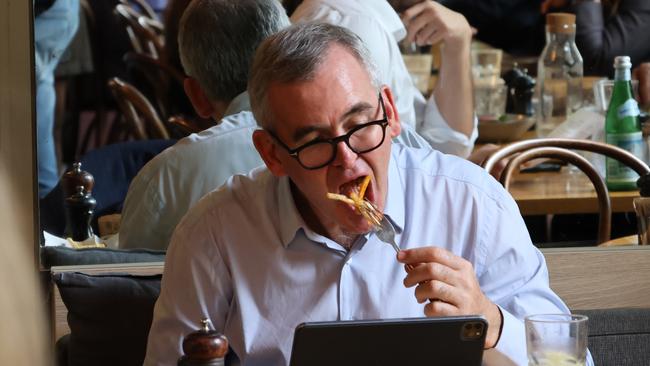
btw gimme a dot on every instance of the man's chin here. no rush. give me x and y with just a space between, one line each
357 227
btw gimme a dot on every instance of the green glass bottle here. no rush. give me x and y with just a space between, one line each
622 127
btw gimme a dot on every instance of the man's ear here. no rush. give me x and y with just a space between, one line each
391 112
268 150
198 98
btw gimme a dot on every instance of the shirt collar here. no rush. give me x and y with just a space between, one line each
291 220
239 104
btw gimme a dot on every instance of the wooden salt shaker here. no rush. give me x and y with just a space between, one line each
204 347
74 178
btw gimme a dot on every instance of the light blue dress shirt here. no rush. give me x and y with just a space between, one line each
173 181
244 258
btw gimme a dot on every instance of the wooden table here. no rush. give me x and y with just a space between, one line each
492 357
564 192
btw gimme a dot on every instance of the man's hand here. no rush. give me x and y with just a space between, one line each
429 22
450 281
642 73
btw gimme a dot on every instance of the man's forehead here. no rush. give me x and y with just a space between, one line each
339 72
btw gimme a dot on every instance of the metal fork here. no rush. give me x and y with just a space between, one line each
381 224
386 233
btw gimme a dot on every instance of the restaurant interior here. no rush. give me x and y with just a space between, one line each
542 100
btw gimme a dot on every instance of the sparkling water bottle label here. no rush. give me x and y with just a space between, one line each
628 109
632 142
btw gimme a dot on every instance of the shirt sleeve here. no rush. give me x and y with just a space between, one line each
435 130
143 215
514 276
193 287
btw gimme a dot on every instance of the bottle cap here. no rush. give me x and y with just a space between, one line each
622 62
561 22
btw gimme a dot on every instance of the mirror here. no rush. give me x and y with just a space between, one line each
84 113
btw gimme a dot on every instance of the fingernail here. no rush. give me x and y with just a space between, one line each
401 255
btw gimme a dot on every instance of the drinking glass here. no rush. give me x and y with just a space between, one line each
603 93
556 339
486 65
642 209
490 100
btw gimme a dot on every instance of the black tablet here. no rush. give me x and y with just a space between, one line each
415 341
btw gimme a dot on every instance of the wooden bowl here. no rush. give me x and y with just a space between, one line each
509 127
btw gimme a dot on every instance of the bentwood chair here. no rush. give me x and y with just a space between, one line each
142 35
185 125
155 78
561 149
145 9
140 119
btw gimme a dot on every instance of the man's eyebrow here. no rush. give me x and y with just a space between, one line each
304 131
355 109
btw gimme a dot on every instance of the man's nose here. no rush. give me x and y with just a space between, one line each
345 157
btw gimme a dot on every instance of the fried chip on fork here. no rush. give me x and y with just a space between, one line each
366 208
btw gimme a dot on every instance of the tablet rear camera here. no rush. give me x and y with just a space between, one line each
472 331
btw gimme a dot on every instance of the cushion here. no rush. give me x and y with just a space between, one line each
109 316
62 256
619 337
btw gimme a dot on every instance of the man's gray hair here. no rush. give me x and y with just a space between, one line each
218 38
296 54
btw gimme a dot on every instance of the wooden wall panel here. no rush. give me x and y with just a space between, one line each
17 164
601 278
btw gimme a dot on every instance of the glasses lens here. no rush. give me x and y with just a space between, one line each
316 155
367 138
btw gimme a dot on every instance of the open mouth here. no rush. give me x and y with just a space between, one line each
358 194
357 189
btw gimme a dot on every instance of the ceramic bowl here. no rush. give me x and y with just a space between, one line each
507 128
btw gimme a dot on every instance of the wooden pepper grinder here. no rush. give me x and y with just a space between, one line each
204 347
76 177
79 209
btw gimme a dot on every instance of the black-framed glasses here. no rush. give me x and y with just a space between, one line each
320 152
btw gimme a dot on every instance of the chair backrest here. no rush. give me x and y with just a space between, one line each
560 149
145 8
142 35
184 125
155 78
140 117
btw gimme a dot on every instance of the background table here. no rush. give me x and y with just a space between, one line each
563 192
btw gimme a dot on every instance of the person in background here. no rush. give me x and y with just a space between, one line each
216 42
606 29
515 26
268 251
55 24
446 120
